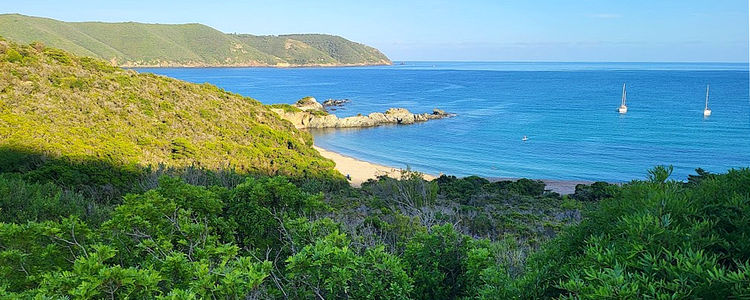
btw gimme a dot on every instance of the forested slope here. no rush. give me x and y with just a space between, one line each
134 44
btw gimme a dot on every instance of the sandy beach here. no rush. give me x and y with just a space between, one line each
360 171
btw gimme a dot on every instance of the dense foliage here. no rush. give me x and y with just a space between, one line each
137 44
393 239
656 239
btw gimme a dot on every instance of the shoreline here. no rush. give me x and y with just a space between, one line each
360 171
240 66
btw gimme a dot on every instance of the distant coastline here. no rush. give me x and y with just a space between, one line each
192 45
277 66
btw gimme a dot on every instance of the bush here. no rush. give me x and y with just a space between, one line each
182 149
21 202
11 55
460 189
258 207
655 239
434 260
523 186
411 191
594 192
330 269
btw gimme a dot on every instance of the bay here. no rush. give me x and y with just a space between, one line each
568 111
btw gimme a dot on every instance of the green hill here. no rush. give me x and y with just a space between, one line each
80 109
136 44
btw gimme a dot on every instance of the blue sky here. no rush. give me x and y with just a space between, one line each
530 30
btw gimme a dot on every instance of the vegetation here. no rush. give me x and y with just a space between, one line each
135 44
340 49
79 122
655 239
112 186
285 107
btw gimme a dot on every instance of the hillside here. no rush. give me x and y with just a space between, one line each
160 45
81 109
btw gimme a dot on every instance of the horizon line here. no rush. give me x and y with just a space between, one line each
563 61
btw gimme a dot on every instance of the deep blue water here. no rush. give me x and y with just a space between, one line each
566 109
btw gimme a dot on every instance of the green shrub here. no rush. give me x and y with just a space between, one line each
655 239
594 192
258 207
660 173
330 269
285 107
11 55
21 202
96 65
435 262
182 149
461 189
523 186
58 55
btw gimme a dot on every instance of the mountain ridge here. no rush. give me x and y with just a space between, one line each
134 44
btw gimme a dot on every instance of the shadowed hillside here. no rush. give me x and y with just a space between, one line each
137 45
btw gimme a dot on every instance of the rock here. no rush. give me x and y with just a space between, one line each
356 121
335 102
378 117
406 119
439 112
397 111
309 103
327 121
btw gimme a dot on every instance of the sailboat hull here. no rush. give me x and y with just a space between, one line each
623 109
706 111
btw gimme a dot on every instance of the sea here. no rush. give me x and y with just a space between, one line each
568 111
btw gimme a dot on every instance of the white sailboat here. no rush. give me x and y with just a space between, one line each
706 110
623 108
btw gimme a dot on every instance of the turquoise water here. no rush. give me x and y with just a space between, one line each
566 109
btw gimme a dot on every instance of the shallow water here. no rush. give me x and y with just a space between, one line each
566 109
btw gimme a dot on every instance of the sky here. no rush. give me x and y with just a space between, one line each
468 30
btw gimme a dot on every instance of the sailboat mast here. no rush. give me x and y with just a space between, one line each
707 87
624 94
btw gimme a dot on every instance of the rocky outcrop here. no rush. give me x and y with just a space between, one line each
310 117
308 104
335 102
